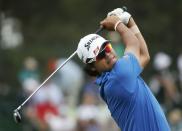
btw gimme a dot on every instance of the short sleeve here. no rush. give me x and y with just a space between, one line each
128 65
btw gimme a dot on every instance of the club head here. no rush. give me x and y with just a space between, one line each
17 116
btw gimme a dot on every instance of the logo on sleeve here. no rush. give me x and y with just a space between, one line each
126 56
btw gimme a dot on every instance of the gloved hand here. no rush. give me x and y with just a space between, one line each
123 15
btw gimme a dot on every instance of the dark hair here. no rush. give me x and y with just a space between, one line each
91 70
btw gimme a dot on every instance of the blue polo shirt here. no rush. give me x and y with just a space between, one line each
129 99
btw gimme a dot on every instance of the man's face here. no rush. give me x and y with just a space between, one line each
105 59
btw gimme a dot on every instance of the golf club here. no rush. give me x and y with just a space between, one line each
16 113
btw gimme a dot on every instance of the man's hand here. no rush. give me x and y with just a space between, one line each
123 15
109 22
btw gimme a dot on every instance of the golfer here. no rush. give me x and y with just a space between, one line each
129 99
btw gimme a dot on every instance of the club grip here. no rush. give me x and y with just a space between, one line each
101 27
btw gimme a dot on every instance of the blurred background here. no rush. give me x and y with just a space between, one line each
38 35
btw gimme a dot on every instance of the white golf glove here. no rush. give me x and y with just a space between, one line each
123 15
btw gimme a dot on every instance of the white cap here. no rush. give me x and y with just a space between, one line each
89 46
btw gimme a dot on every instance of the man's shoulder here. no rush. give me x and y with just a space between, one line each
128 65
122 67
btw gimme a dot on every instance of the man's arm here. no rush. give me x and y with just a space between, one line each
144 53
129 39
126 18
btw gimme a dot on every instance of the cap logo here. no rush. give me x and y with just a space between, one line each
87 45
96 50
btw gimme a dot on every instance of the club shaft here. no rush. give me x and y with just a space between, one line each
96 32
47 79
99 29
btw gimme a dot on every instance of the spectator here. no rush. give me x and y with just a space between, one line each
70 79
29 79
175 119
29 76
87 114
163 83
